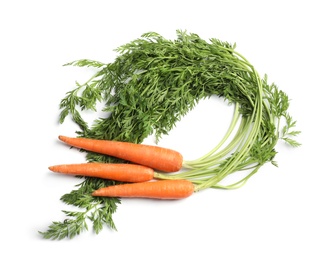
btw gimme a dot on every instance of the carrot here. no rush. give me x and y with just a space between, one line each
158 158
118 172
163 189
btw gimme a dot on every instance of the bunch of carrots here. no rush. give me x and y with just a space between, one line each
140 176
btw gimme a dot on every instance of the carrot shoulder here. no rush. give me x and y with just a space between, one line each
156 157
118 172
163 189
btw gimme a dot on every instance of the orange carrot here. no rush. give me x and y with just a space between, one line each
159 158
118 172
163 189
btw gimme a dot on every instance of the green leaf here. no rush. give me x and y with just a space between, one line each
85 63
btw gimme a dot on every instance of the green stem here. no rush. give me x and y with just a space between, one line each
207 161
247 144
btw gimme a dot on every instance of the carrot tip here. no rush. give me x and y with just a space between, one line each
61 137
95 193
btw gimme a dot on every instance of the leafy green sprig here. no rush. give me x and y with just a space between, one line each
148 88
98 210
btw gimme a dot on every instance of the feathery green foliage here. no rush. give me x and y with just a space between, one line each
149 87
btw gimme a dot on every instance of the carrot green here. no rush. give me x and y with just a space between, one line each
151 85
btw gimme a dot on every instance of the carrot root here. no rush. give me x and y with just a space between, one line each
118 172
163 189
155 157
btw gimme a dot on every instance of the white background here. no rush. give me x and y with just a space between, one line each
281 213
